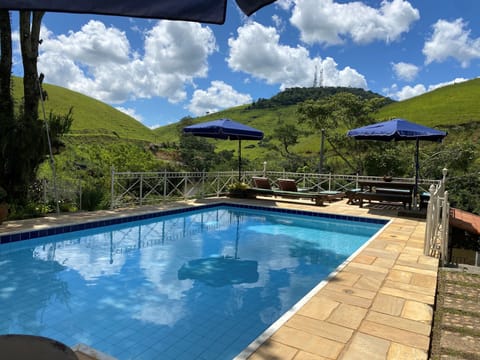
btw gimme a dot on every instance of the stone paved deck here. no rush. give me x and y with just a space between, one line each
379 306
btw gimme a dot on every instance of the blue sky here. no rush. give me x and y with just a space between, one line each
162 71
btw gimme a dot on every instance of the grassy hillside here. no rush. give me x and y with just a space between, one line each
96 122
450 105
447 107
90 117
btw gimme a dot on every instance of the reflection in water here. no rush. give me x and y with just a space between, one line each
220 271
149 287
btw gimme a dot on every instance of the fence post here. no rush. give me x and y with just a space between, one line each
165 185
202 194
80 194
141 189
112 188
429 225
185 187
445 223
44 186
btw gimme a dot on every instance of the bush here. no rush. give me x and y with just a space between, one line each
92 198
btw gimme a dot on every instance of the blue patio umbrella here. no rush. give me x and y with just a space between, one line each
219 271
226 129
206 11
399 130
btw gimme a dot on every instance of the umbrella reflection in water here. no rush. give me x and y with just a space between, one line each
220 271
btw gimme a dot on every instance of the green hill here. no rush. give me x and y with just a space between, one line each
91 118
444 107
447 107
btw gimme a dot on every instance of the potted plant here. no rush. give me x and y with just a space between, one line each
238 190
3 205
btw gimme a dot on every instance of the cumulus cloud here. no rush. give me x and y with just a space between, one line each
408 92
284 4
405 71
98 60
330 23
257 51
217 97
451 40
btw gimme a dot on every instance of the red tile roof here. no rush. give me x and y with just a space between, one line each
465 221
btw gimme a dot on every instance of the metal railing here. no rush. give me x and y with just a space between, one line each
143 188
67 191
436 232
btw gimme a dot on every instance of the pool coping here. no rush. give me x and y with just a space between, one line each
22 235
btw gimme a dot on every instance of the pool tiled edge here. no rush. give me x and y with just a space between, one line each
56 230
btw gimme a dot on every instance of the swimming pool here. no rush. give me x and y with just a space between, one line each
196 284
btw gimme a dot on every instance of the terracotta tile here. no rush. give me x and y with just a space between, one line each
308 342
408 295
369 270
430 272
426 281
320 328
400 276
303 355
408 258
402 352
380 253
428 260
273 350
417 311
367 294
399 323
348 315
394 247
364 259
396 335
368 283
319 307
409 287
346 298
364 346
345 278
388 304
385 263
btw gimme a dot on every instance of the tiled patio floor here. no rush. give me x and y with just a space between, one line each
379 306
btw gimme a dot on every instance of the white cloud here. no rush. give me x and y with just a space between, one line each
217 97
330 23
98 61
411 91
284 4
451 40
130 112
405 71
257 51
278 21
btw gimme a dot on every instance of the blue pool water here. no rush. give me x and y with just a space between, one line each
201 284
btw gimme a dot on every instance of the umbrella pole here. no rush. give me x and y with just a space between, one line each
239 160
417 171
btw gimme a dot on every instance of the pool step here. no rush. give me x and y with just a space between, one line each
85 352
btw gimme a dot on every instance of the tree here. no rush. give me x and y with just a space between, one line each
22 134
335 115
287 134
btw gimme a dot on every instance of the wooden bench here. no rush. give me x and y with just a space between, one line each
383 191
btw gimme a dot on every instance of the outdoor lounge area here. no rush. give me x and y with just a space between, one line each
287 188
379 305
